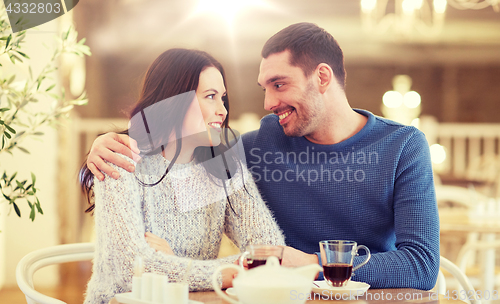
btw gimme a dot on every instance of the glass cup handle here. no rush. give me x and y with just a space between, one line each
243 258
368 256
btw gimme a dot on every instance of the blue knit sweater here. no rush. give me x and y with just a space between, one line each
375 188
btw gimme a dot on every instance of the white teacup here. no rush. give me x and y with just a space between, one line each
176 293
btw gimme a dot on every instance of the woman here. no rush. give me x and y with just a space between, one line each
188 188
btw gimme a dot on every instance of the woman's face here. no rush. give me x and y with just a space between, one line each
206 116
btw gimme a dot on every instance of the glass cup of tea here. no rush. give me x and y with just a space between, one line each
337 257
256 255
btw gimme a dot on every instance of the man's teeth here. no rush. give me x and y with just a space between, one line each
284 115
215 124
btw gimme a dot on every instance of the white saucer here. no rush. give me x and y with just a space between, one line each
126 298
231 293
352 290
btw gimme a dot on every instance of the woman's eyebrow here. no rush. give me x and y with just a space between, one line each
213 90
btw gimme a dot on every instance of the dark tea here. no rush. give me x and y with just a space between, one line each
337 273
258 261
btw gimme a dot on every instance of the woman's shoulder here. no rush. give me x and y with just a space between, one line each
239 174
121 170
146 164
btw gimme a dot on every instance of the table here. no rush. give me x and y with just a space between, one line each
462 221
372 296
383 295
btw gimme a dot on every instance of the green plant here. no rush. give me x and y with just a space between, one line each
17 121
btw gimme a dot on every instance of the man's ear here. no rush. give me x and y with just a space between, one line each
325 76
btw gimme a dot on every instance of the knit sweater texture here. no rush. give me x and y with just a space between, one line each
188 208
375 188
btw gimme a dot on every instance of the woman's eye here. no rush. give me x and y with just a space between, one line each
211 96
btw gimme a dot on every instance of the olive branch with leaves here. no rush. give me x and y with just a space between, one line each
17 121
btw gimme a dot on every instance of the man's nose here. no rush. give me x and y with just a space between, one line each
270 101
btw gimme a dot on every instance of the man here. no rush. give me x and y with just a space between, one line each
330 172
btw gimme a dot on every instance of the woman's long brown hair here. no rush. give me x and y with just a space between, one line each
174 72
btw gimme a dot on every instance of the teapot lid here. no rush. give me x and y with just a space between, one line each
272 274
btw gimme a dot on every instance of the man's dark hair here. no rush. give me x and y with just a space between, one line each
309 46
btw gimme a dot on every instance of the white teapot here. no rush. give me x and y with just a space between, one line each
270 283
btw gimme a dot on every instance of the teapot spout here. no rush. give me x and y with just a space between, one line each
309 271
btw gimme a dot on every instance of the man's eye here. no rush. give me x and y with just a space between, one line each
278 85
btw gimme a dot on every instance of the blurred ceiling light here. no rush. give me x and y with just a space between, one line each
475 4
368 5
409 6
440 6
227 8
402 104
411 99
415 123
392 99
438 153
403 17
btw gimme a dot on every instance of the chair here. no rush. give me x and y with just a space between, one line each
469 249
458 196
478 206
486 168
451 198
461 278
45 257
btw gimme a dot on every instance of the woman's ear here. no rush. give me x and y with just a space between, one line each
325 77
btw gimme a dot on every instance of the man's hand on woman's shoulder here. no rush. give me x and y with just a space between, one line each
105 148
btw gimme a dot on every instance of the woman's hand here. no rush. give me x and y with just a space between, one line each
104 148
158 243
228 275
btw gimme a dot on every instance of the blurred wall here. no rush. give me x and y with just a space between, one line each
451 93
456 73
22 236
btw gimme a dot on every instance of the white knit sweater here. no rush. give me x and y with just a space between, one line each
188 209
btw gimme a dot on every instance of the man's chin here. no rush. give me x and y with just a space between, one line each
291 132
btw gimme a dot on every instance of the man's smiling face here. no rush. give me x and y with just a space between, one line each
290 95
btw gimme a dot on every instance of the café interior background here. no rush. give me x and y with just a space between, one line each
454 67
